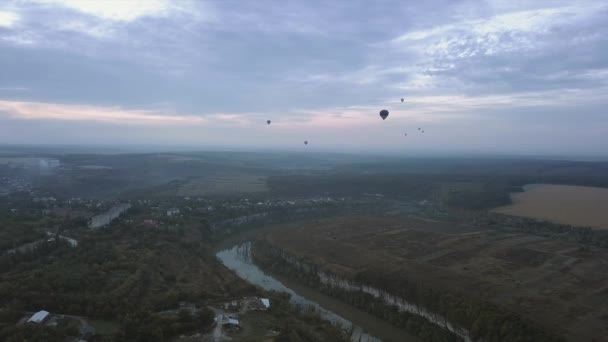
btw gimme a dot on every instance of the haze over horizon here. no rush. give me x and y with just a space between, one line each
482 76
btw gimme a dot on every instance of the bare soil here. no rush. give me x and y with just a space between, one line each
574 205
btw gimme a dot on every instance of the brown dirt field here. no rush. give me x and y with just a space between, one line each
560 286
574 205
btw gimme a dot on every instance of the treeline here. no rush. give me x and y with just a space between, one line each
31 257
14 234
583 235
265 256
282 214
483 320
414 324
348 184
489 195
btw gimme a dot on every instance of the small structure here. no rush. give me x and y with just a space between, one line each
38 317
231 324
173 212
259 304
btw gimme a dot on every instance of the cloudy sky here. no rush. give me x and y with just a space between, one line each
504 76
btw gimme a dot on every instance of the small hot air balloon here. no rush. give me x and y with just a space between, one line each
422 131
384 114
402 99
405 134
305 142
268 122
418 128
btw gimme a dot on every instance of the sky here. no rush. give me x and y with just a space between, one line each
500 76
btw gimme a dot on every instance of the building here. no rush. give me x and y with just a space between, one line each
38 317
231 324
259 304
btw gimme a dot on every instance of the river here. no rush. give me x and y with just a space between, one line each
363 326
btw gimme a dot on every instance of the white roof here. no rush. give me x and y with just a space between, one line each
266 302
38 316
233 321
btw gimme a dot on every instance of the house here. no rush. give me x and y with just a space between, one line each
231 324
259 304
38 317
173 212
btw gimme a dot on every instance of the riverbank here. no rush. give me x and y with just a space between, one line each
417 322
363 326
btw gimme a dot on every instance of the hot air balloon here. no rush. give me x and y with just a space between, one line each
384 114
268 122
402 99
405 134
305 142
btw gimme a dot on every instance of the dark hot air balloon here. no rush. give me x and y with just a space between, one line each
402 99
384 114
305 142
268 122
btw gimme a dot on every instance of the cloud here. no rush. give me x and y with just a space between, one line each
309 66
65 112
8 19
116 10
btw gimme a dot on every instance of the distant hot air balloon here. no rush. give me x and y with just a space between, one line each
402 99
405 134
418 128
305 142
422 131
384 114
268 122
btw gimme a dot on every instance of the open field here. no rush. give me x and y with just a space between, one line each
574 205
561 287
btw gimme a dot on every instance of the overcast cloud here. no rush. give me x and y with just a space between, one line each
481 76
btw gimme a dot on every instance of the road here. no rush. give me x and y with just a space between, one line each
217 333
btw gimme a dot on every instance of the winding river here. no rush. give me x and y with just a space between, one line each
362 326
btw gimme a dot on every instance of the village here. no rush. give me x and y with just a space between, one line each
231 320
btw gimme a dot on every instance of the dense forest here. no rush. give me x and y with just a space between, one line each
123 273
